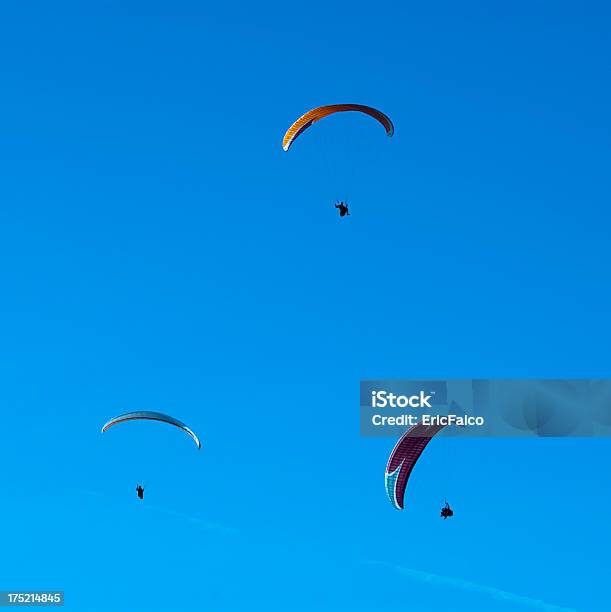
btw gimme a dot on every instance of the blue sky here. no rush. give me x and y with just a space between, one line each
161 252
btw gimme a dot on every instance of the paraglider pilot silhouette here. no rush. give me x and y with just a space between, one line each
446 511
343 208
140 491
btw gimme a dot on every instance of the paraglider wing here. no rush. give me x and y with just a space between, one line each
316 114
152 416
403 458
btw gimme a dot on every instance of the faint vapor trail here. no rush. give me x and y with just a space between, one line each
472 587
200 523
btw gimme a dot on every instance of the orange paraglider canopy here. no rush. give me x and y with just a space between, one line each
316 114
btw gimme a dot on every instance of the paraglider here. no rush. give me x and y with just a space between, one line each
403 458
343 208
152 416
316 114
446 511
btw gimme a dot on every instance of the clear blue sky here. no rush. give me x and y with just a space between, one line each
160 251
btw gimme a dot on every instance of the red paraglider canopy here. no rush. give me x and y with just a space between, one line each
316 114
403 459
